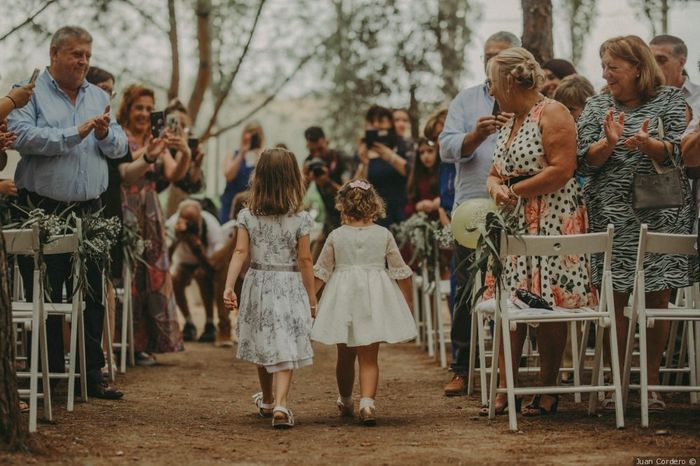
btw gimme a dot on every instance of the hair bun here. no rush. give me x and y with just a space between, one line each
524 73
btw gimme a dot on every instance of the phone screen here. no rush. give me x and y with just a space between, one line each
496 110
157 124
193 143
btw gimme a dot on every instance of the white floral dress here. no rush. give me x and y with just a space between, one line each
362 303
275 318
562 281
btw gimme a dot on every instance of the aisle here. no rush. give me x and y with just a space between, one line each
195 408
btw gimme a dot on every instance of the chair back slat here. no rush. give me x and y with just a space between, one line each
61 244
557 245
21 242
668 243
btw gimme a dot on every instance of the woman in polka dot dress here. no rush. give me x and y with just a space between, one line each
533 167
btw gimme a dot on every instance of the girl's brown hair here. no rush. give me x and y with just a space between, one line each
277 187
357 200
635 51
132 93
433 121
419 172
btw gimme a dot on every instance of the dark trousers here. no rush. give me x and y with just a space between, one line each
59 273
461 316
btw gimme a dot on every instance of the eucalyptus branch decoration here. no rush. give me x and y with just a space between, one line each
134 244
422 235
486 255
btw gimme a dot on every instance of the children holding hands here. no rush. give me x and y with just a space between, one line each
365 302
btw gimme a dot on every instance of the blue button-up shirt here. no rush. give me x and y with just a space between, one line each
472 170
55 162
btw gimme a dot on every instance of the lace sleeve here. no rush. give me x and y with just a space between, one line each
326 260
397 267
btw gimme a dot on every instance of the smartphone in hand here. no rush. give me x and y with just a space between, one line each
496 109
157 124
35 75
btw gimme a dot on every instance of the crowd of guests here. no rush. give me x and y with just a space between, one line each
536 137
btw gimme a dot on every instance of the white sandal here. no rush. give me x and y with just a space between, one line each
345 410
285 422
264 409
608 404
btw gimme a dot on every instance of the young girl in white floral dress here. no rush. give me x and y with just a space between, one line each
362 304
278 299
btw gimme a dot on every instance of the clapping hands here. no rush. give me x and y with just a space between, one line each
613 127
7 138
100 124
641 138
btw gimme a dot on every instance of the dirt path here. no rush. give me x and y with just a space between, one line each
194 408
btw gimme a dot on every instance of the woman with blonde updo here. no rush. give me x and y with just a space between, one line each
532 172
362 304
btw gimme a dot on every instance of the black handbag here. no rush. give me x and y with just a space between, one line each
660 190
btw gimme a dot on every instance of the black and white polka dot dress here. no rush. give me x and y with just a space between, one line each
562 281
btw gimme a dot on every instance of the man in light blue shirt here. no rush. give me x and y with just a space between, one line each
64 135
468 140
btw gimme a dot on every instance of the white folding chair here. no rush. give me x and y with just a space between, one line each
26 242
427 289
507 316
126 343
441 293
73 311
639 314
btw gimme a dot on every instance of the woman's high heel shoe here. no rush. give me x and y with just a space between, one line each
500 410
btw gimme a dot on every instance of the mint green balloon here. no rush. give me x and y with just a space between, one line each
468 216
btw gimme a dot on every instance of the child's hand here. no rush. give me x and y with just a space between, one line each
230 300
313 304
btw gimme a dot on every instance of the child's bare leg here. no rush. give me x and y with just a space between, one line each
265 385
369 369
282 382
345 370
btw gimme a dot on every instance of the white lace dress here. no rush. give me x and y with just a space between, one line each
275 318
362 303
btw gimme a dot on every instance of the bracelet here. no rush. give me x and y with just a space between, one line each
149 161
14 104
513 193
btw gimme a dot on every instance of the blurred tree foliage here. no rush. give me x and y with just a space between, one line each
408 54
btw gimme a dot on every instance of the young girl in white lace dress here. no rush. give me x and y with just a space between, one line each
278 298
362 304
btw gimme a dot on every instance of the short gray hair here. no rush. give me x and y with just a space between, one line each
70 33
189 203
505 36
679 47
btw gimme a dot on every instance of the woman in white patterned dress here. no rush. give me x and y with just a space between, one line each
533 169
277 301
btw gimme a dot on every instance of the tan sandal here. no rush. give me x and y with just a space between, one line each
656 404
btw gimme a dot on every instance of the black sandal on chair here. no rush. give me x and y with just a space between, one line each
534 409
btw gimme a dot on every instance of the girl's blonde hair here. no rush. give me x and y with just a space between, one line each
358 200
277 187
635 51
517 64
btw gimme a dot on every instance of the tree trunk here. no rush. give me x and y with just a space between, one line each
203 11
413 112
12 432
174 88
537 28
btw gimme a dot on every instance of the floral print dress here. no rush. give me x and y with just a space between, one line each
156 329
562 281
275 318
